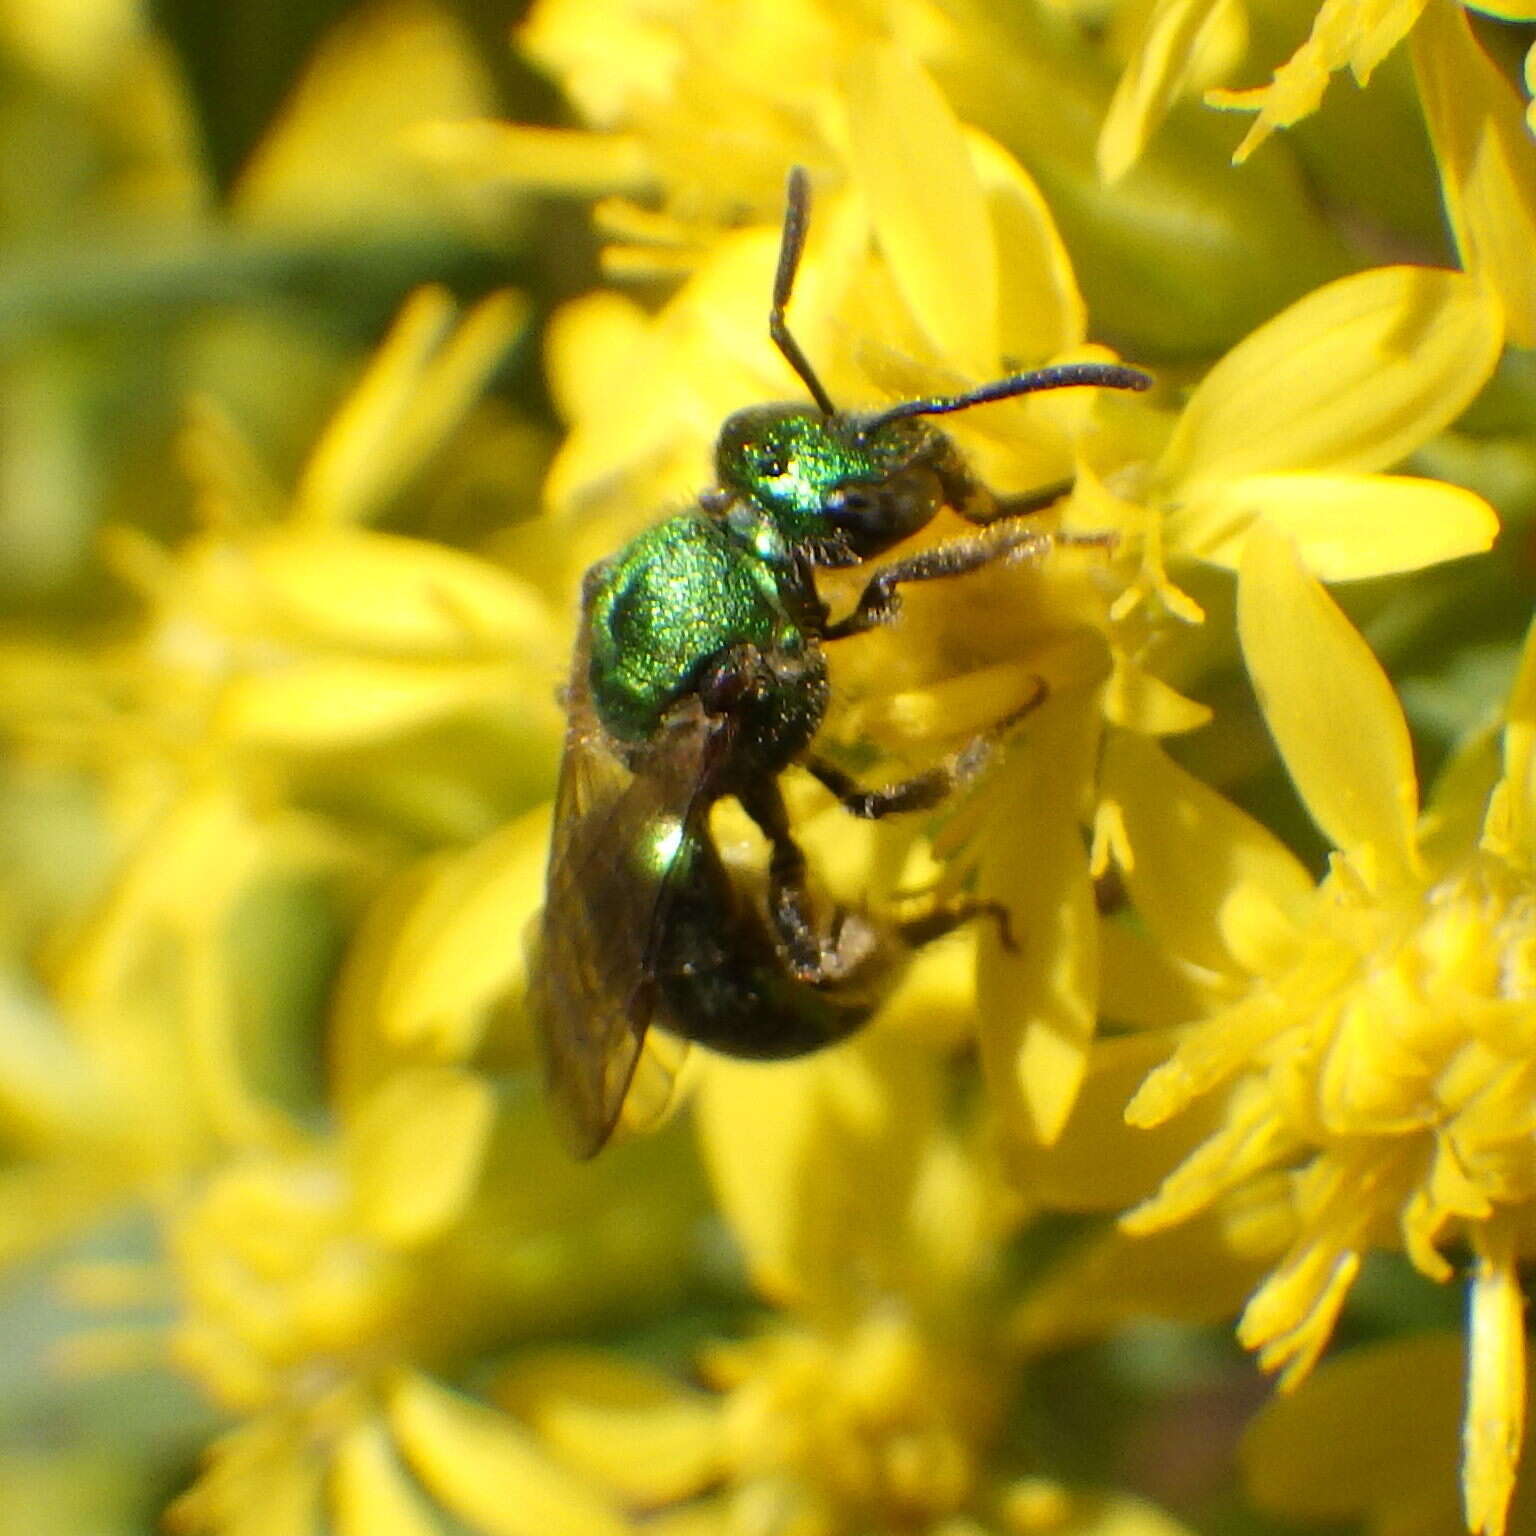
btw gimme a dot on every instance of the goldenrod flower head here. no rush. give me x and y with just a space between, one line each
877 1427
1486 161
880 1425
1293 428
269 1000
878 1406
875 1400
1375 1065
286 1293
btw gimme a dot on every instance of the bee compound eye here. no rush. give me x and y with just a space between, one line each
851 506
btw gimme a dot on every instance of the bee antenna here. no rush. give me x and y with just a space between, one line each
1063 376
797 212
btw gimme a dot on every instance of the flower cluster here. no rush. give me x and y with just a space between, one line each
294 531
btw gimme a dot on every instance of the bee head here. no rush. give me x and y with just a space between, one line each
836 489
813 483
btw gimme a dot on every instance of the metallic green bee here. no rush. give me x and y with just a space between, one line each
699 673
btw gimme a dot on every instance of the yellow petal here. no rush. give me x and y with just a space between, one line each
1142 986
1345 526
927 205
1038 1004
1101 1163
233 488
1250 1141
1357 33
1329 706
1487 161
1215 886
1140 702
370 1492
771 1131
486 1471
1520 753
1190 1276
1459 805
1495 1423
1353 377
571 161
1372 1434
1041 313
658 1087
1163 57
330 705
418 387
373 592
415 1150
259 1479
935 1000
1209 1055
629 1428
586 344
81 55
1290 1318
458 948
335 155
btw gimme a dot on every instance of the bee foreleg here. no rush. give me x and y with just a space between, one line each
878 603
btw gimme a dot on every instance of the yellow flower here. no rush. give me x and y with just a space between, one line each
1486 160
881 252
1292 427
272 824
693 112
1373 1059
1486 157
396 1465
1372 1436
309 1278
1346 34
875 1400
279 648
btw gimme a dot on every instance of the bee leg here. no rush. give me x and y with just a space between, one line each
979 503
976 501
925 790
1011 536
919 793
811 955
944 916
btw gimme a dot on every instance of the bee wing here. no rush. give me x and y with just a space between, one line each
593 988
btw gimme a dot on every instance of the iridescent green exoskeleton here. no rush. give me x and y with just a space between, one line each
698 673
